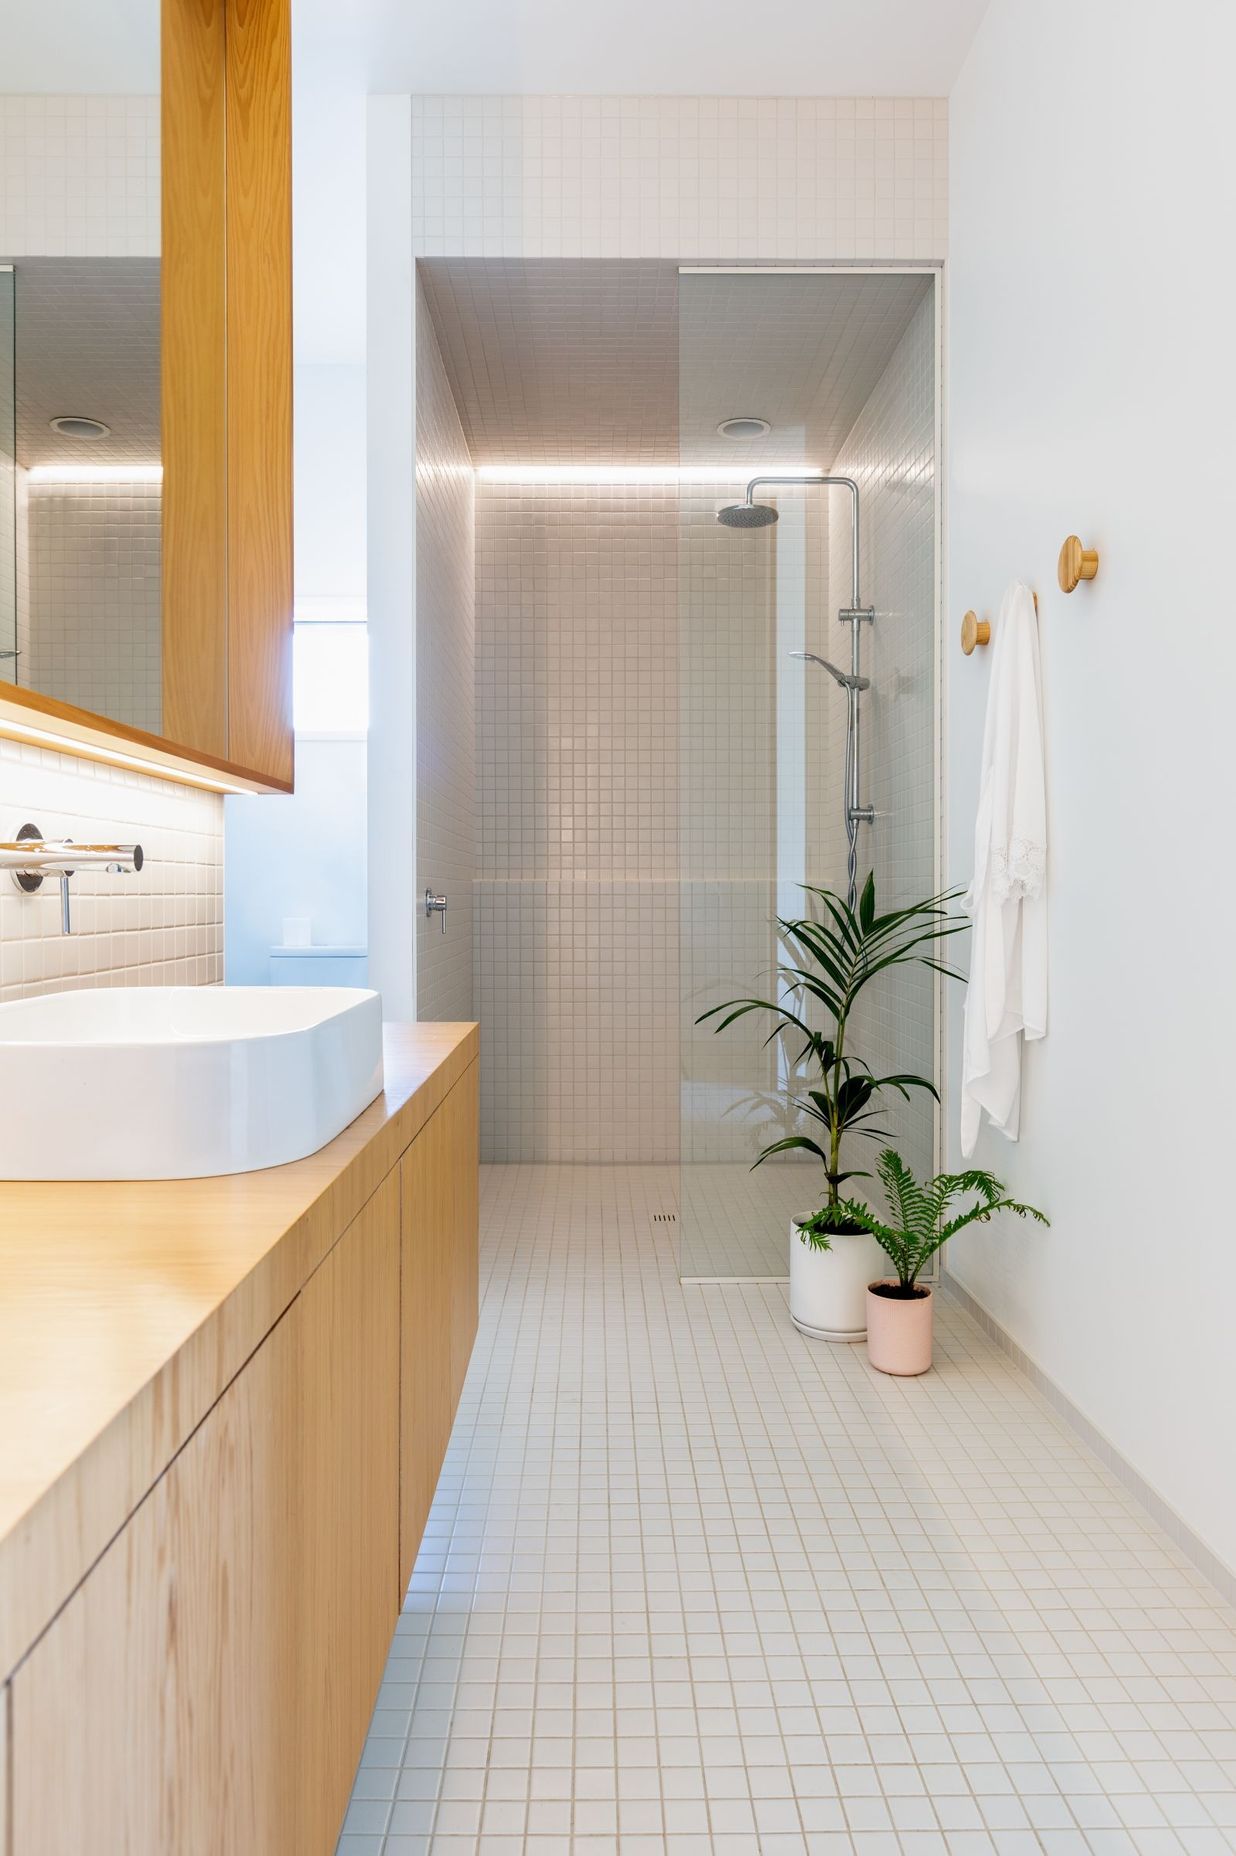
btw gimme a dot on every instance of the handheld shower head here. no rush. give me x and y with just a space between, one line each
747 515
846 681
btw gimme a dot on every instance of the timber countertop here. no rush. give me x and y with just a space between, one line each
126 1307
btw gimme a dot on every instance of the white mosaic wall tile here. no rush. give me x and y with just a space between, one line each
445 702
581 926
628 658
22 566
95 625
8 481
891 455
162 926
577 994
577 925
733 178
79 176
727 814
8 565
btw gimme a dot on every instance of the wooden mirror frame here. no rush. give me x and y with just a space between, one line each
226 367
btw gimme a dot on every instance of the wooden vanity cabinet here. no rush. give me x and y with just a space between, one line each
440 1173
207 1689
348 1558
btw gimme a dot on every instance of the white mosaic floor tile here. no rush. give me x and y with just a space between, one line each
694 1583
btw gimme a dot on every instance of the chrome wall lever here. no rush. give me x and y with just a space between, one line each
30 856
435 905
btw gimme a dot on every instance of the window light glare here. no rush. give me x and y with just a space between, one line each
330 678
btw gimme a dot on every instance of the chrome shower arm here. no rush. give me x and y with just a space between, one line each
839 483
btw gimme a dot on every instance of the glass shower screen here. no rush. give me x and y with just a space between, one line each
840 369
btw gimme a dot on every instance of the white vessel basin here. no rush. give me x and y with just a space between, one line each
178 1082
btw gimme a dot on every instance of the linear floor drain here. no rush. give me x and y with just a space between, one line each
665 1217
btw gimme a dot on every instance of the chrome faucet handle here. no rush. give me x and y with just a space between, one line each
15 856
435 905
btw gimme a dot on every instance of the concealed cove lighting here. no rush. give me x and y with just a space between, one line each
628 473
77 425
744 426
96 473
13 730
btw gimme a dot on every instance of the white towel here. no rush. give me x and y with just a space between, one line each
1006 998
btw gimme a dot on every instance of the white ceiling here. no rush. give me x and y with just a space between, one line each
560 360
644 47
802 351
607 362
637 47
80 47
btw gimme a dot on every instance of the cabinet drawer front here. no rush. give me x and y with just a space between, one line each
207 1689
153 1716
439 1293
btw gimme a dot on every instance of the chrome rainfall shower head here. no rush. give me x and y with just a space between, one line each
747 515
846 681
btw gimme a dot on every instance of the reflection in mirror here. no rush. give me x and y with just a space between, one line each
87 372
8 482
81 478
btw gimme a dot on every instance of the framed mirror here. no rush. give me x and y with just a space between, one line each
145 447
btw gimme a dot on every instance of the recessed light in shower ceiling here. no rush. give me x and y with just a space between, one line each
744 425
78 425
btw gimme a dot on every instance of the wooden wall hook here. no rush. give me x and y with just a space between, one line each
1075 564
974 631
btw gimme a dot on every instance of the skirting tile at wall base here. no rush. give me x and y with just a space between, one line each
1190 1544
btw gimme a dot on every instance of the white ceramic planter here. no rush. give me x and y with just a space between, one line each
828 1288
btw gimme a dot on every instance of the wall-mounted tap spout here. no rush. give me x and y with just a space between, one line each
31 857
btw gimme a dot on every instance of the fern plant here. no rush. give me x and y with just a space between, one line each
833 957
917 1226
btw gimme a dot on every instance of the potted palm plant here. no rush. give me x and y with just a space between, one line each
832 957
899 1311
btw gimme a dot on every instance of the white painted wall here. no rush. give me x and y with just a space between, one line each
300 854
391 363
445 686
1092 390
304 855
330 474
328 217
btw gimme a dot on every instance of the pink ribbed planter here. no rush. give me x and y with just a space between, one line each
899 1333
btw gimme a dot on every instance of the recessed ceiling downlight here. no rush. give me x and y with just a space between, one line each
744 427
77 425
